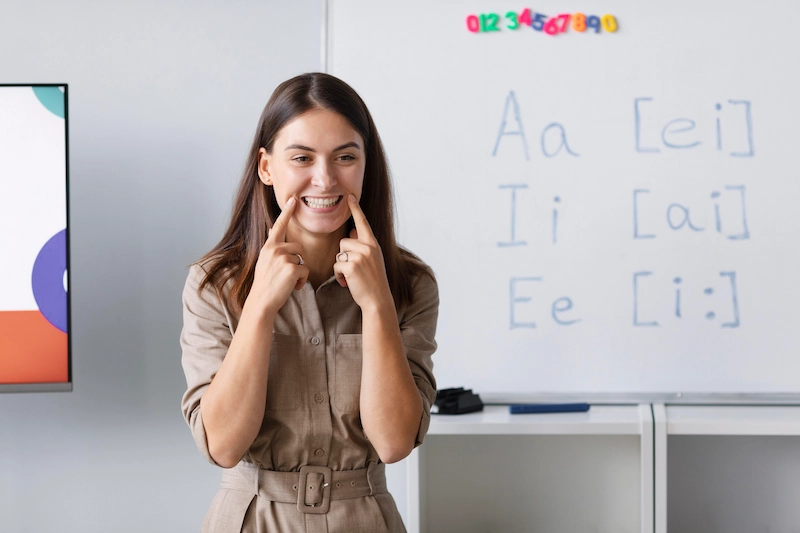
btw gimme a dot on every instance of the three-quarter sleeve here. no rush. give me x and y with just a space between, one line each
418 329
205 339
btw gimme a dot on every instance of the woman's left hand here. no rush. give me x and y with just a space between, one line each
359 264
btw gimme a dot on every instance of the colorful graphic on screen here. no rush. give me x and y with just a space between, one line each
33 237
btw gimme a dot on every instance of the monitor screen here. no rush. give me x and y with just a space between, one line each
34 239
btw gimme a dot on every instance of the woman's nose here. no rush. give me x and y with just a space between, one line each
324 177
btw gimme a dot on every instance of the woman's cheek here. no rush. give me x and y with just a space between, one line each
282 196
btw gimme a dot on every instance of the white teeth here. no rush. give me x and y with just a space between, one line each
321 202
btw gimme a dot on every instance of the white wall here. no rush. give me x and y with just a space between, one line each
164 98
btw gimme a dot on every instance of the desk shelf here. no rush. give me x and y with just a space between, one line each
491 471
731 458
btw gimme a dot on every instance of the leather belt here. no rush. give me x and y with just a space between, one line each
312 488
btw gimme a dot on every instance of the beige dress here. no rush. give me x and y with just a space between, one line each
311 468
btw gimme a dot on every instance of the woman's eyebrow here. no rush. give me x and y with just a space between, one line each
348 145
307 149
299 147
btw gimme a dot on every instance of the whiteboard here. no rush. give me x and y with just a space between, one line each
613 213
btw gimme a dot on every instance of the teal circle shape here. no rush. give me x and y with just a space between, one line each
52 98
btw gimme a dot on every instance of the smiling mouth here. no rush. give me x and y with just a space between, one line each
320 203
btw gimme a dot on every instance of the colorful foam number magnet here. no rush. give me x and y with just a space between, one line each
513 21
525 17
609 23
579 22
562 22
593 22
489 22
473 24
538 21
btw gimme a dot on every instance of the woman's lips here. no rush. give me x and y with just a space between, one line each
322 202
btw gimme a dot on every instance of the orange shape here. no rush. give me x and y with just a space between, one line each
31 349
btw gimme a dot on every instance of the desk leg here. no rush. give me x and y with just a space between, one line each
660 421
416 510
646 451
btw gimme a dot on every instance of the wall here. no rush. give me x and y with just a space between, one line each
164 99
163 104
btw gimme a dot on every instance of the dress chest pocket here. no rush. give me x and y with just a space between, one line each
347 378
285 380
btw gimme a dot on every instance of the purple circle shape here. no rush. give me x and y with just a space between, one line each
48 280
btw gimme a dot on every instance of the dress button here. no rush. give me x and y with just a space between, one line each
319 398
314 340
319 453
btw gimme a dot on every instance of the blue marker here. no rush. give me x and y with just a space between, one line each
524 408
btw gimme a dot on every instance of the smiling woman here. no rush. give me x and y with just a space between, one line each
308 332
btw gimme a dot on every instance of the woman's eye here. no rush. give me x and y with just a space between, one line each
302 159
347 158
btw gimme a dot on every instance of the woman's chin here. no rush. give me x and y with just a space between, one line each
319 228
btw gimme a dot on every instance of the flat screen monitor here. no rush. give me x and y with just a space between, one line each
35 350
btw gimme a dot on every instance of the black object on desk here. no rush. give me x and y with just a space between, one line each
457 401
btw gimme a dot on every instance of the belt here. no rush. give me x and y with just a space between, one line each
312 488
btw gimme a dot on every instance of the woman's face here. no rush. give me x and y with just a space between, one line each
319 159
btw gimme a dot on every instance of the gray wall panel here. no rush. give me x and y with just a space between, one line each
164 100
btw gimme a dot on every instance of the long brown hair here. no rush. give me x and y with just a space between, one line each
256 208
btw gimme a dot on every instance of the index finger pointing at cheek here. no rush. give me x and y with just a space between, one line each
362 225
278 231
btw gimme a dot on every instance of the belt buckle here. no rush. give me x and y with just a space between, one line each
326 490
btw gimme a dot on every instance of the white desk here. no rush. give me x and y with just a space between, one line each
634 423
650 426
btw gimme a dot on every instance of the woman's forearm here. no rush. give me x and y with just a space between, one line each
391 406
233 405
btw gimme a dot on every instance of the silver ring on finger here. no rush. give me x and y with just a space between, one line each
341 257
300 257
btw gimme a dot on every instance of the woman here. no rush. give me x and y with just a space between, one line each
308 332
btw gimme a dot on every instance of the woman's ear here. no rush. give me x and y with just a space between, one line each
263 167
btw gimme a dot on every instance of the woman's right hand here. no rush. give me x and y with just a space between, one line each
278 271
233 405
